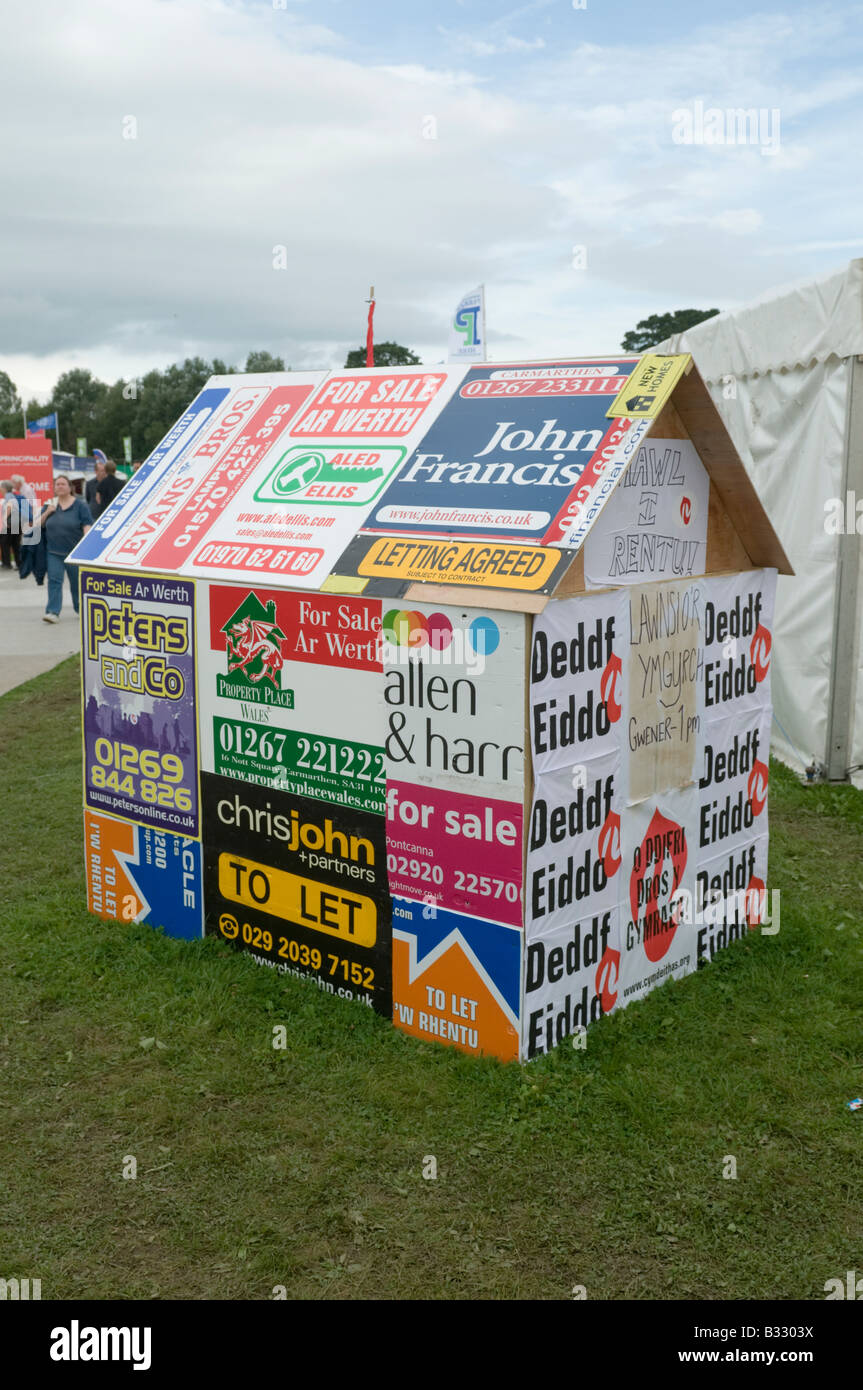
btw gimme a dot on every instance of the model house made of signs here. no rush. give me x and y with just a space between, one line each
446 689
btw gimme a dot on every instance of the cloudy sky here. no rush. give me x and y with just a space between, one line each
157 154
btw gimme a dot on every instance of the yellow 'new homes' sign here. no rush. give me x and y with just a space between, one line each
650 386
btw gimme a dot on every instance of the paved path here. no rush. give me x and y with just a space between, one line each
27 645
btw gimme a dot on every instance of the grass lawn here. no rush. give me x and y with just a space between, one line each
304 1167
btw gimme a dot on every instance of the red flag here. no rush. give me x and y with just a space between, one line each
370 334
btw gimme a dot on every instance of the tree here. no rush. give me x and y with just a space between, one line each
78 397
11 422
264 362
162 399
386 355
658 327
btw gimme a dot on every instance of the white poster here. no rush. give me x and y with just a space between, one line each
735 770
655 524
731 898
737 639
571 979
576 680
454 698
573 844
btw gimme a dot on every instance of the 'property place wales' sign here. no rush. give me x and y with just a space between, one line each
292 692
523 436
301 885
138 661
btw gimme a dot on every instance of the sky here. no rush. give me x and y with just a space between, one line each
208 177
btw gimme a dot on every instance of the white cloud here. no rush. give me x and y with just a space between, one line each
259 128
490 48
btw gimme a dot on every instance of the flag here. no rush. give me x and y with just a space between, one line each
467 329
370 332
101 455
48 422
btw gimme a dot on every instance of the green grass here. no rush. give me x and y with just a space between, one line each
303 1167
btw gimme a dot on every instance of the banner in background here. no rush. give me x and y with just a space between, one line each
32 458
138 657
47 422
467 329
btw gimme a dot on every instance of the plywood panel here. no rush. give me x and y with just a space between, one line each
719 456
464 596
725 549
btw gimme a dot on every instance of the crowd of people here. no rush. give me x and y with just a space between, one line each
37 540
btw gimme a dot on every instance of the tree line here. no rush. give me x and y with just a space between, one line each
148 406
145 407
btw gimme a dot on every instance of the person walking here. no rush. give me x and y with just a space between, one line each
25 489
91 487
108 486
10 526
65 520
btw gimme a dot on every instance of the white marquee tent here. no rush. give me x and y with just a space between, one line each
786 373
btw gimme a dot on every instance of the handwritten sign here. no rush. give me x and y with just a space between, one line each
657 527
666 656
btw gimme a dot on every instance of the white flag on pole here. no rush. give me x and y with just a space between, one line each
467 329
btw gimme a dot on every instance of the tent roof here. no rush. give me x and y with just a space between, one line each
479 480
788 327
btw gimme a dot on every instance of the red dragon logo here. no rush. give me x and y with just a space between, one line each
249 639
